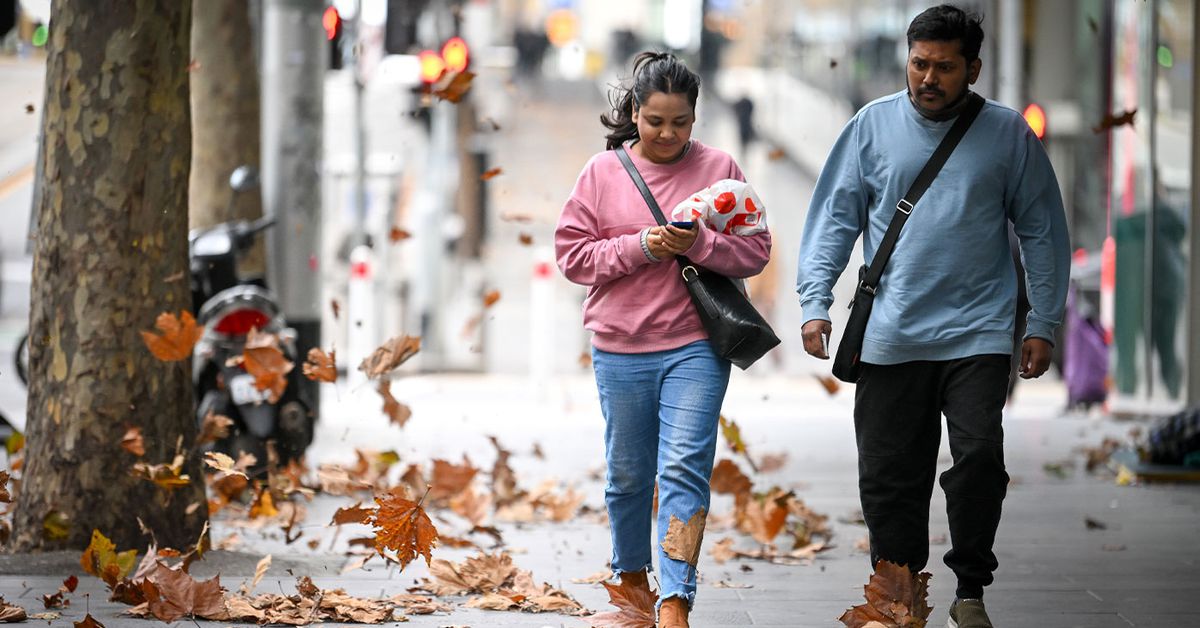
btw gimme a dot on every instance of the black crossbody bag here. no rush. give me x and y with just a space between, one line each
846 364
736 331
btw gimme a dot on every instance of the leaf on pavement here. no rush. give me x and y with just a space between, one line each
101 559
764 516
11 613
472 506
722 550
402 526
453 86
682 541
352 514
178 336
133 443
450 479
88 622
635 607
390 355
321 366
492 602
263 359
172 593
213 428
504 480
398 413
895 597
222 462
728 479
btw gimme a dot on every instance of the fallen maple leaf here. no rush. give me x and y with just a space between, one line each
722 550
1110 121
390 355
491 174
172 593
635 606
70 583
88 622
11 613
472 506
682 541
728 479
453 86
402 526
895 597
263 359
398 413
321 366
396 234
133 443
449 479
178 336
101 559
765 516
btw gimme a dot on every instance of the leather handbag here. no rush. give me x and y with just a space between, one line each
736 331
847 365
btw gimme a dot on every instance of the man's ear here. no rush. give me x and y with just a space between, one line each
973 71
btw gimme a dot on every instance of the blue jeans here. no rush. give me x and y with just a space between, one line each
660 411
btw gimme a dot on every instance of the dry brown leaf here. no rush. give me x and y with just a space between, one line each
771 463
398 413
260 570
167 476
352 514
733 436
222 462
722 550
525 239
397 234
11 613
178 336
488 572
472 506
504 480
171 594
1110 121
490 298
453 86
491 174
450 479
263 359
321 366
492 602
728 479
764 516
5 496
213 428
419 604
895 597
635 607
403 527
682 541
776 154
390 355
88 622
133 443
829 383
336 307
447 580
263 506
596 578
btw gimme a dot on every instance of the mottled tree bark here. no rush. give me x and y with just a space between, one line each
110 255
225 117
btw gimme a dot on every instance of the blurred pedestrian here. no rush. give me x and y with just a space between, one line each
743 111
660 383
940 333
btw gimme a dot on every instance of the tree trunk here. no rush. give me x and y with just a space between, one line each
225 118
110 255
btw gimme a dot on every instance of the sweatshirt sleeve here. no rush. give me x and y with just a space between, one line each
582 255
835 218
1039 220
731 255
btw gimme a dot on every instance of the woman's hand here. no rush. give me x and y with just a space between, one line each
657 245
677 240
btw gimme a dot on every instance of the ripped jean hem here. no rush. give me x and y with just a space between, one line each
648 568
687 596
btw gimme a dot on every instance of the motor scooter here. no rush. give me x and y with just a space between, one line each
229 306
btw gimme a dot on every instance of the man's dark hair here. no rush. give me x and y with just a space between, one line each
949 23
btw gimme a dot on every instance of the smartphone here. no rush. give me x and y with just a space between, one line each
683 224
825 344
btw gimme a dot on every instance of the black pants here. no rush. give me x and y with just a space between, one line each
897 421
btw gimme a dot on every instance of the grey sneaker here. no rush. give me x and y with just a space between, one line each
968 614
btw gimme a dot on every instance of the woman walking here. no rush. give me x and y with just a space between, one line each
660 384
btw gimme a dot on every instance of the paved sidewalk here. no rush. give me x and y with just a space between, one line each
1140 571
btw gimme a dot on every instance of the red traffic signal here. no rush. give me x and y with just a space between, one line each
432 66
1036 117
332 23
456 54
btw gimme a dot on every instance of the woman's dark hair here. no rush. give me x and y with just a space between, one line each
652 72
948 23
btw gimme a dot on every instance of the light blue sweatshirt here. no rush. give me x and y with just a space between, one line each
949 289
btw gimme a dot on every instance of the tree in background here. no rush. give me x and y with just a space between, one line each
110 255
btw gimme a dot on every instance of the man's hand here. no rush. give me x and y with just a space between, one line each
1035 358
814 343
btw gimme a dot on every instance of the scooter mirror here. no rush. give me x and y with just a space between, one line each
244 178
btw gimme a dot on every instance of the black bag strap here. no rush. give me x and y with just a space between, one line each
623 155
870 280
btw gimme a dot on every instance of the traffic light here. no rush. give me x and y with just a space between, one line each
1036 117
432 66
332 22
454 57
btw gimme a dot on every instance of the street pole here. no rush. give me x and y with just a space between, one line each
1012 25
293 89
1193 326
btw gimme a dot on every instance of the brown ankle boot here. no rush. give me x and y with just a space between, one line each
673 613
636 579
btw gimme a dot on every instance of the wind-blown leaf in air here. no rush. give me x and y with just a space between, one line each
177 337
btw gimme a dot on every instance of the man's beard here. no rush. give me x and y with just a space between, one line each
945 113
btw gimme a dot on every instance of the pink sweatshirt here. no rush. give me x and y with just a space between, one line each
634 305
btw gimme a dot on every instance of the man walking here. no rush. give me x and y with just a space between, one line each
940 334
